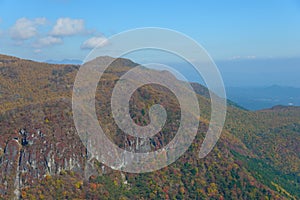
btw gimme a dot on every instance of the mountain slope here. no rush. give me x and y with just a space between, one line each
42 157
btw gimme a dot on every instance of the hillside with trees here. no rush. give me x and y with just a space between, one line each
42 156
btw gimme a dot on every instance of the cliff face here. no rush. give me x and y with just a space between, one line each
37 147
38 137
42 157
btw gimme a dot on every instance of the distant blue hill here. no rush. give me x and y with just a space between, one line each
257 98
65 61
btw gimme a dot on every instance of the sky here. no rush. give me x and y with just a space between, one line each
229 30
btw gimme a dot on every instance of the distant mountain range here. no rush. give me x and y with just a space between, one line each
65 61
256 98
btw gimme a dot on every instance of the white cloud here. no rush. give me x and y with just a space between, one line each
94 42
40 21
47 41
37 51
67 27
242 57
25 29
251 57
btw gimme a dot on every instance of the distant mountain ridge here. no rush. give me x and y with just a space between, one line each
251 98
65 61
256 98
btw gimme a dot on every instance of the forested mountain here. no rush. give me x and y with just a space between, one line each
42 157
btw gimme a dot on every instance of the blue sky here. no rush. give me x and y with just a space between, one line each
228 30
